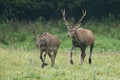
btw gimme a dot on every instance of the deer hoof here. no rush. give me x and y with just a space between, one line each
42 65
45 64
71 62
90 61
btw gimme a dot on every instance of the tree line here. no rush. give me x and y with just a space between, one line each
50 9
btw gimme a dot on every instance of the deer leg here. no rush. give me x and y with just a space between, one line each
52 59
41 53
55 53
91 48
83 54
71 53
45 64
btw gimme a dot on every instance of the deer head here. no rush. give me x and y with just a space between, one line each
72 28
40 39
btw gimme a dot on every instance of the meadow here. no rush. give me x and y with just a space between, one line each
21 64
19 58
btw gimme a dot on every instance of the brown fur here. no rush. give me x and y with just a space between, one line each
48 43
85 36
82 38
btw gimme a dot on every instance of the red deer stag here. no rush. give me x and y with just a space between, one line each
47 43
80 37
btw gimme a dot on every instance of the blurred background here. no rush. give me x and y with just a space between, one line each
19 18
50 9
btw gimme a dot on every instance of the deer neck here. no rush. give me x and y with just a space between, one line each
75 37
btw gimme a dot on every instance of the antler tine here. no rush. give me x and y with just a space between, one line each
84 12
66 22
63 12
79 22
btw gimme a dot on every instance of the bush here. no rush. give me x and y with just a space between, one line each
20 34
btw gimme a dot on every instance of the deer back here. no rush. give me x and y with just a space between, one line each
85 36
51 40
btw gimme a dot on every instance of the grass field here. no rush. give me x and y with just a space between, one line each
21 64
19 58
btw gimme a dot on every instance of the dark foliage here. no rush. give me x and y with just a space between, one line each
50 9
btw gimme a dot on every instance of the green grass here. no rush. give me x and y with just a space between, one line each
22 64
20 34
19 58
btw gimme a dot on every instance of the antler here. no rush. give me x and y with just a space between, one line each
66 22
79 22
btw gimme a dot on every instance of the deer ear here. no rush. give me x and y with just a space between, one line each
34 34
45 33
